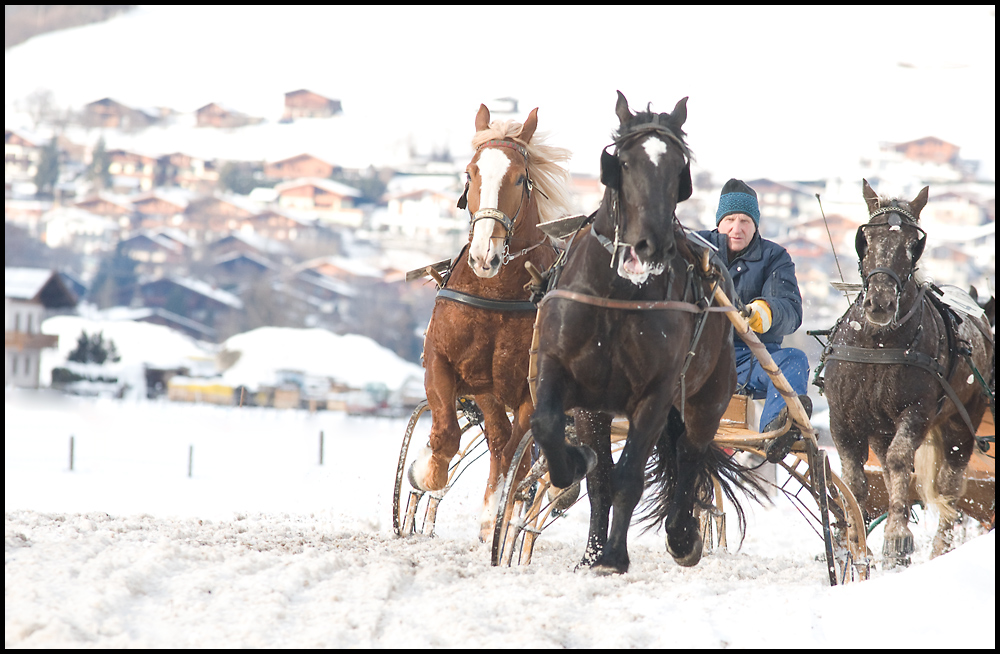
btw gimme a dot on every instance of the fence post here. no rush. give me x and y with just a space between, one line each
190 460
321 447
71 453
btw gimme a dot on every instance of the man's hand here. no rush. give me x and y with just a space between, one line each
760 316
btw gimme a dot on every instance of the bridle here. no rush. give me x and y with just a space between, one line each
894 222
497 214
611 177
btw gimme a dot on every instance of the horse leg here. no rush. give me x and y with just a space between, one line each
911 427
956 445
628 481
594 429
852 446
498 431
567 463
429 471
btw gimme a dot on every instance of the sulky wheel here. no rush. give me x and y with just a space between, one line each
846 547
406 511
528 504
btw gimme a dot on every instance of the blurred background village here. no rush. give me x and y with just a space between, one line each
295 254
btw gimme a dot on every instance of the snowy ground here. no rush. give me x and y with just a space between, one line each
263 547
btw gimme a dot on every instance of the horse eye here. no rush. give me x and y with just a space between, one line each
624 165
520 180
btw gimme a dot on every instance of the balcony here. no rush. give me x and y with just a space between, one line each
25 341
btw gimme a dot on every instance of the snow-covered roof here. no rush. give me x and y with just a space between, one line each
203 288
328 185
37 285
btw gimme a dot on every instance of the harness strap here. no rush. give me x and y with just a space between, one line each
632 305
899 356
484 303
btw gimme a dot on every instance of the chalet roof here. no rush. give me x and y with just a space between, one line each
328 185
203 289
353 267
319 280
925 139
176 235
302 91
224 107
21 137
80 216
299 157
252 257
176 197
39 285
764 185
128 153
156 239
110 198
257 242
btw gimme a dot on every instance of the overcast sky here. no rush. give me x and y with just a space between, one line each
790 93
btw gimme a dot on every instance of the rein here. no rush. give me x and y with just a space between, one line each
632 305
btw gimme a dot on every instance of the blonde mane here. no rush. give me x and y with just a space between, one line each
543 167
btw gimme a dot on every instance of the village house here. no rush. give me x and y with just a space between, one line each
191 299
30 295
218 115
331 201
21 154
780 205
110 113
423 213
210 218
106 204
951 210
187 172
80 230
301 165
160 208
236 270
306 104
155 254
247 242
281 225
131 172
929 149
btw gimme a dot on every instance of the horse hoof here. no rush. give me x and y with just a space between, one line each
563 499
605 567
688 552
426 474
581 461
896 550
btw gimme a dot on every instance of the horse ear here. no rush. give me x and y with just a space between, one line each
482 118
686 188
528 129
860 243
621 109
871 197
918 203
680 113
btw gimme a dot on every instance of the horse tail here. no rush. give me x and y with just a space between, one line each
662 473
927 461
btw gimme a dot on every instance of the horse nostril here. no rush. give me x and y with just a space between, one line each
643 247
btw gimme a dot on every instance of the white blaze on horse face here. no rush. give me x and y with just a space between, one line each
493 165
655 148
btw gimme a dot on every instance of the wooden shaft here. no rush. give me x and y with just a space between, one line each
795 408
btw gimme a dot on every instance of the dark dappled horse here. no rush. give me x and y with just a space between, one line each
480 331
896 377
601 359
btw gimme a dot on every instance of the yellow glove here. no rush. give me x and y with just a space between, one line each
760 316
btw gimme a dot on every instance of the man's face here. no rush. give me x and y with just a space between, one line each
740 228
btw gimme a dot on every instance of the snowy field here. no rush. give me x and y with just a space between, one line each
263 547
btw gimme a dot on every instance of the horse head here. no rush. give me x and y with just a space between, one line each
645 178
888 247
497 192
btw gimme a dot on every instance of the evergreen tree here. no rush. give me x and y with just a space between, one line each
99 171
82 351
48 170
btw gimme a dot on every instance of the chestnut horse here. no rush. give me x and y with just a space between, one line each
480 331
896 377
614 339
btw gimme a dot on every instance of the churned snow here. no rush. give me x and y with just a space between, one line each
264 547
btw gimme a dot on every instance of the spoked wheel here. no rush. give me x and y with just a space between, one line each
405 511
528 505
837 518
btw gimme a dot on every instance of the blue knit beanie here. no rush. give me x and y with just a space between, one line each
737 197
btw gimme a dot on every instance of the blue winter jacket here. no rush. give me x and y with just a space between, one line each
764 270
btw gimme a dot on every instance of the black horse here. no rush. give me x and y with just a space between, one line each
898 375
614 336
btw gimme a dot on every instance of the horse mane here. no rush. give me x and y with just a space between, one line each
543 167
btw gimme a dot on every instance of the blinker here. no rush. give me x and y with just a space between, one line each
611 172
